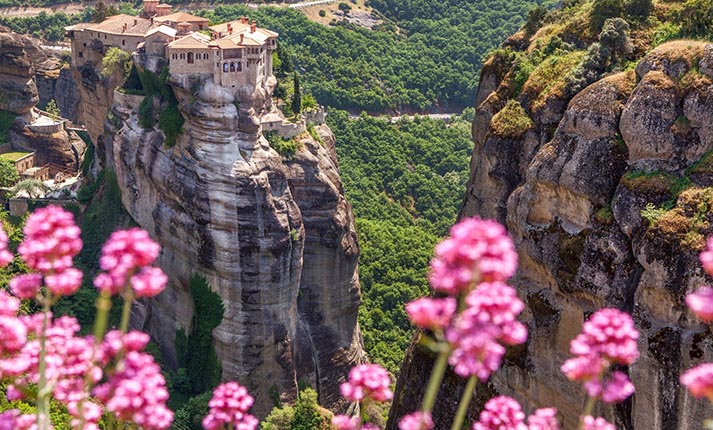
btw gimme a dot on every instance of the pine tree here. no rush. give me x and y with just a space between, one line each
297 96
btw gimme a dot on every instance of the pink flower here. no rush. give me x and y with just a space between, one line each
431 313
609 333
26 286
345 422
123 255
51 240
706 257
8 304
701 302
608 337
229 405
489 319
136 392
5 255
501 413
13 334
477 250
367 380
543 419
416 421
699 380
617 388
149 282
65 282
591 423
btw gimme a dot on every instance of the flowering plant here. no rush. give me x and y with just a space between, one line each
108 373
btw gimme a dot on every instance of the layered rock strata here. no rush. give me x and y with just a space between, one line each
597 212
272 234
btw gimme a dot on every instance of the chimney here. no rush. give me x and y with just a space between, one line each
241 38
230 29
135 21
244 20
123 29
253 26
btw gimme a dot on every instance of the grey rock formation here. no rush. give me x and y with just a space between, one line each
274 236
18 92
573 203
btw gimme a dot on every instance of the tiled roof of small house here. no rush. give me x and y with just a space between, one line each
168 31
193 40
123 24
181 16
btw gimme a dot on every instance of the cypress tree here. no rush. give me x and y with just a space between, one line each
296 97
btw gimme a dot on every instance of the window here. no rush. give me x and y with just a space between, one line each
239 67
200 26
81 54
205 56
232 67
85 44
225 67
190 58
123 42
183 56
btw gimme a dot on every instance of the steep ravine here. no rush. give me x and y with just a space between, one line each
571 188
273 235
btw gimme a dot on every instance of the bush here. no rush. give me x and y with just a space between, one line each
322 13
639 9
511 122
697 18
603 10
116 60
8 173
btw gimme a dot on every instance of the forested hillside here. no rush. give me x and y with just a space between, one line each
405 182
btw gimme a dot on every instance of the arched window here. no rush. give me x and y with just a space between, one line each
232 67
183 56
205 56
190 58
225 67
239 67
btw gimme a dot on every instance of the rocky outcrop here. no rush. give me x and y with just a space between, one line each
597 212
63 150
18 92
272 234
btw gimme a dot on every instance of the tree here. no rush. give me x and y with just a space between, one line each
534 19
697 17
102 12
32 188
297 96
344 7
52 109
603 10
639 9
615 38
8 173
116 60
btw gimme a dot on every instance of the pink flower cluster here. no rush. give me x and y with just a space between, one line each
699 380
477 333
136 391
51 241
607 338
477 250
431 314
591 423
229 406
416 421
127 255
367 380
505 413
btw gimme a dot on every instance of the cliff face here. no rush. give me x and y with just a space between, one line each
18 91
274 236
573 186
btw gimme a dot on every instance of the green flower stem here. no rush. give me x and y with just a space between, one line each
434 383
464 402
128 297
102 319
588 408
43 395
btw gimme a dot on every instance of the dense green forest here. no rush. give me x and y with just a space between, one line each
405 182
